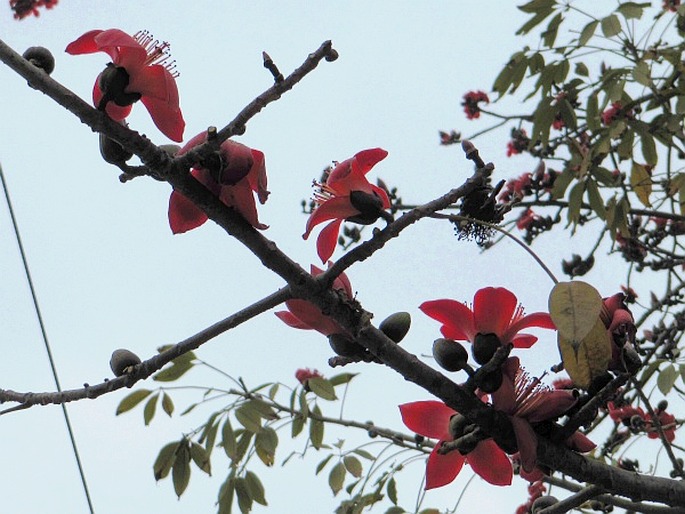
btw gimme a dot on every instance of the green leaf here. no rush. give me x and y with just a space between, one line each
648 149
297 426
592 113
164 461
582 69
322 388
180 471
342 378
273 391
248 417
541 9
575 202
561 183
587 32
353 465
266 443
543 119
625 147
255 488
228 440
226 492
173 372
395 510
632 10
682 372
550 34
316 428
336 478
641 181
243 493
200 458
392 490
242 445
574 307
364 454
641 74
132 400
680 103
322 464
611 25
263 409
595 199
211 437
150 409
167 404
666 379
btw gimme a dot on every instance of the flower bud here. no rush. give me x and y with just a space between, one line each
542 503
396 326
369 206
344 346
122 361
449 354
484 347
490 382
662 405
112 152
41 58
112 82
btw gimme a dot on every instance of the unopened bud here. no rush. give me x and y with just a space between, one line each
41 58
344 346
396 326
122 361
662 405
112 152
369 206
449 354
484 347
542 503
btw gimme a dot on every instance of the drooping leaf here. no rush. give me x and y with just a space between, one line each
575 202
249 417
666 379
243 493
273 390
297 426
322 388
200 458
353 465
342 378
595 199
173 372
641 74
210 438
641 181
316 428
574 308
266 443
632 10
243 444
611 25
322 464
167 404
150 409
255 487
180 471
588 358
131 400
336 478
226 493
587 32
363 453
164 461
392 490
228 440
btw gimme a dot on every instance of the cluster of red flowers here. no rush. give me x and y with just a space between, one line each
615 112
471 101
671 5
640 421
519 142
535 490
24 8
304 374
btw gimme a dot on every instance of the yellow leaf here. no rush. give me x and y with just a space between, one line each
589 358
574 308
641 181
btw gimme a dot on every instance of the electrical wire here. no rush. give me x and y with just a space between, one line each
45 339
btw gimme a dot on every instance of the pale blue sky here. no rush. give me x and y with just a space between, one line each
110 274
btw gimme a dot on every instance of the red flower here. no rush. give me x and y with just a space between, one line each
671 5
243 171
347 194
526 218
613 113
304 374
141 70
307 316
495 311
621 327
627 413
528 401
519 142
432 419
470 103
558 122
667 422
24 8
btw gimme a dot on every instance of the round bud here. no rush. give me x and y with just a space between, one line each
344 346
490 382
41 58
113 82
396 326
122 361
449 354
332 55
662 405
484 347
542 503
369 206
112 152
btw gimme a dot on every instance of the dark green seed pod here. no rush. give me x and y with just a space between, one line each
484 347
344 346
449 354
122 361
112 152
41 58
396 326
490 382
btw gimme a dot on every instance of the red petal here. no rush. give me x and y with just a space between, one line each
456 318
428 418
491 463
524 341
382 195
549 405
536 319
291 320
114 111
241 198
164 111
84 44
192 143
527 442
327 240
311 316
338 207
257 176
493 308
183 214
580 443
114 40
367 159
442 469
